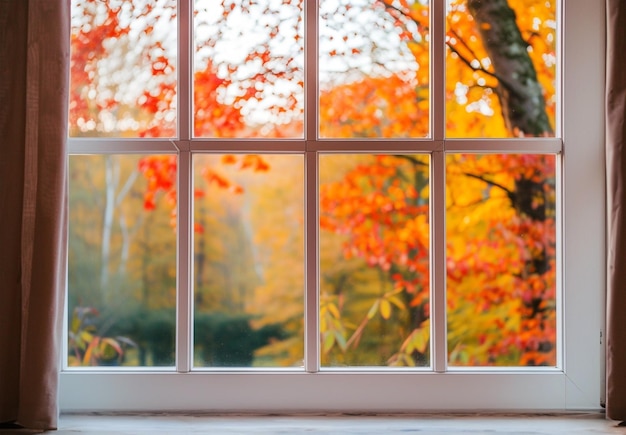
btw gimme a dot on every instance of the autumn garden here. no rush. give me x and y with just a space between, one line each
374 208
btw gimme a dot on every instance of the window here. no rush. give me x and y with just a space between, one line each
357 205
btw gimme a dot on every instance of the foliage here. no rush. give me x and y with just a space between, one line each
500 208
381 206
224 340
374 209
86 347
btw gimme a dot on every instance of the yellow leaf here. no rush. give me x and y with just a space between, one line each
397 302
89 353
86 336
421 339
385 309
75 324
333 310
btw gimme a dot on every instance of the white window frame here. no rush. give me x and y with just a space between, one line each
575 384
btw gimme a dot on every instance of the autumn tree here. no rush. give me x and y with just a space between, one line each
379 207
499 69
124 85
519 92
499 83
522 100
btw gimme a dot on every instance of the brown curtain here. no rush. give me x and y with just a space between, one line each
616 191
34 68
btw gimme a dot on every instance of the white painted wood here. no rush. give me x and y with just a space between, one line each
584 199
312 392
575 385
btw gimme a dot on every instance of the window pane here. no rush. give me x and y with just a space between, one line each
501 68
501 260
374 260
121 260
123 61
373 69
249 79
249 260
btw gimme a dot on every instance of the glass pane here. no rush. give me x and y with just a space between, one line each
249 78
121 260
501 68
248 260
374 68
374 260
501 260
123 61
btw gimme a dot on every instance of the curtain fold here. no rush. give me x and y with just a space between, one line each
616 212
34 80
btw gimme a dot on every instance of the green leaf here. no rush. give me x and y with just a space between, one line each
373 310
329 341
340 339
110 342
408 360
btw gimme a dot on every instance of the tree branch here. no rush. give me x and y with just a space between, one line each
411 159
467 62
511 194
396 10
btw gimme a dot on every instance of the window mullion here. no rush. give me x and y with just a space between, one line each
185 69
311 68
438 69
438 261
311 162
311 305
438 188
184 309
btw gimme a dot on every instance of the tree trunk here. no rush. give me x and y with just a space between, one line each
524 112
519 91
107 223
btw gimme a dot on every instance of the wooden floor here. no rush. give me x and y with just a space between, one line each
436 424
